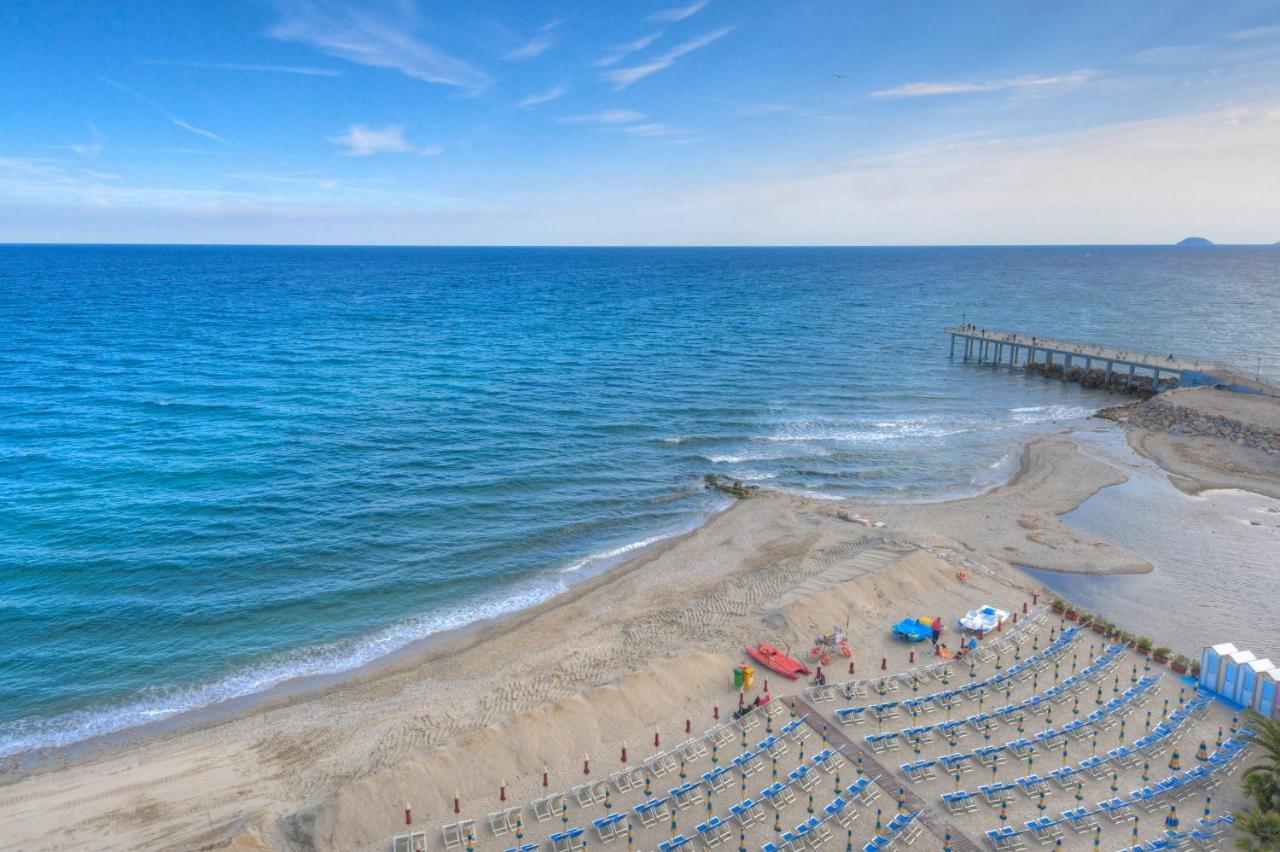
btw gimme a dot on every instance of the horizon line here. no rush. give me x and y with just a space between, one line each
144 244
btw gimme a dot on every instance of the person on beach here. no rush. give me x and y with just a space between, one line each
937 629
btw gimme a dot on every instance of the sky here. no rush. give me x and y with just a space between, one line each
639 122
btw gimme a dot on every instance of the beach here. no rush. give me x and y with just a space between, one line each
630 653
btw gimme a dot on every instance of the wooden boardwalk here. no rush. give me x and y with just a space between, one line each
884 778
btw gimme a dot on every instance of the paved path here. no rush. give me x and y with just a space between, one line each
884 779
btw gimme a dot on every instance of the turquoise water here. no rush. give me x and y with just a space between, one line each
224 467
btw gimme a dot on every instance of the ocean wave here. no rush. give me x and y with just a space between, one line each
157 704
1047 413
615 553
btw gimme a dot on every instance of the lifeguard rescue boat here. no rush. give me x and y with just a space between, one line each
774 660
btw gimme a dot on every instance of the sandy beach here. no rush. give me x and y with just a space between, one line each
632 653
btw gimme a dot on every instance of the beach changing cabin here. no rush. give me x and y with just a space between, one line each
1266 692
1246 682
1230 674
1211 665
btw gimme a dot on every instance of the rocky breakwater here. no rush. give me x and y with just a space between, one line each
1118 382
1181 413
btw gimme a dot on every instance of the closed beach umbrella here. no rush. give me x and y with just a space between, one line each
946 841
1079 792
1146 771
1115 686
607 804
1098 701
1148 721
986 731
1208 806
802 751
1218 742
710 809
1171 821
742 840
1122 730
471 841
674 829
1133 678
1035 681
564 814
998 664
848 844
1021 727
715 755
1135 829
1115 782
648 788
1235 721
683 776
915 744
878 822
1202 753
519 830
1175 763
1064 749
957 776
631 839
1164 714
1182 696
775 767
837 782
973 670
768 726
777 820
811 804
1075 706
902 800
1094 745
1097 836
1055 672
858 764
1041 805
1004 813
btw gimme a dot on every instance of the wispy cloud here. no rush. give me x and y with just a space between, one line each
432 151
173 119
538 98
542 41
753 109
380 36
1257 32
679 13
621 78
303 70
93 147
965 87
605 116
619 52
654 129
363 141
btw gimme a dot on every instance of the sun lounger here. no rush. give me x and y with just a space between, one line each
526 847
960 802
1082 820
1045 830
804 777
997 794
841 811
686 795
718 778
677 842
715 831
413 842
747 812
456 833
748 763
1006 839
569 840
500 822
610 826
778 794
660 764
626 780
652 811
588 794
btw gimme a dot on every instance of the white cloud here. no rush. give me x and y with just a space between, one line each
679 13
1138 182
541 42
538 98
621 51
653 129
93 147
303 70
606 116
964 87
1257 32
363 141
624 77
173 119
380 35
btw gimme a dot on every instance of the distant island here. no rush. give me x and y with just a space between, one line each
1195 241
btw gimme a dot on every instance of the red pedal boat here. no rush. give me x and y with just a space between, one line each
773 659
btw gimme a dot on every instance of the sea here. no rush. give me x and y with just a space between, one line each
226 468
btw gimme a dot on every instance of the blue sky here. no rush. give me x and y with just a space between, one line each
683 122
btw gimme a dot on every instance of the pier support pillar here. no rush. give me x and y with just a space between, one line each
1129 383
953 347
1106 378
1155 378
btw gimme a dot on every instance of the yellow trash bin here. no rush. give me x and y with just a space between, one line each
748 677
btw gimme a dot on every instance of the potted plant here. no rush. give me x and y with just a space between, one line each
1195 668
1071 613
1100 626
1144 646
1084 618
1180 664
1161 654
1059 606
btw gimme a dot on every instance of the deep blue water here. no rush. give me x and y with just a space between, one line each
220 467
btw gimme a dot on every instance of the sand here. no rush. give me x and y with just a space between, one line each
634 652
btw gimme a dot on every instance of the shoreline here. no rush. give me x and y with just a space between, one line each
303 767
422 649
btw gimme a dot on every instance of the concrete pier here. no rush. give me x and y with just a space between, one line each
1090 365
